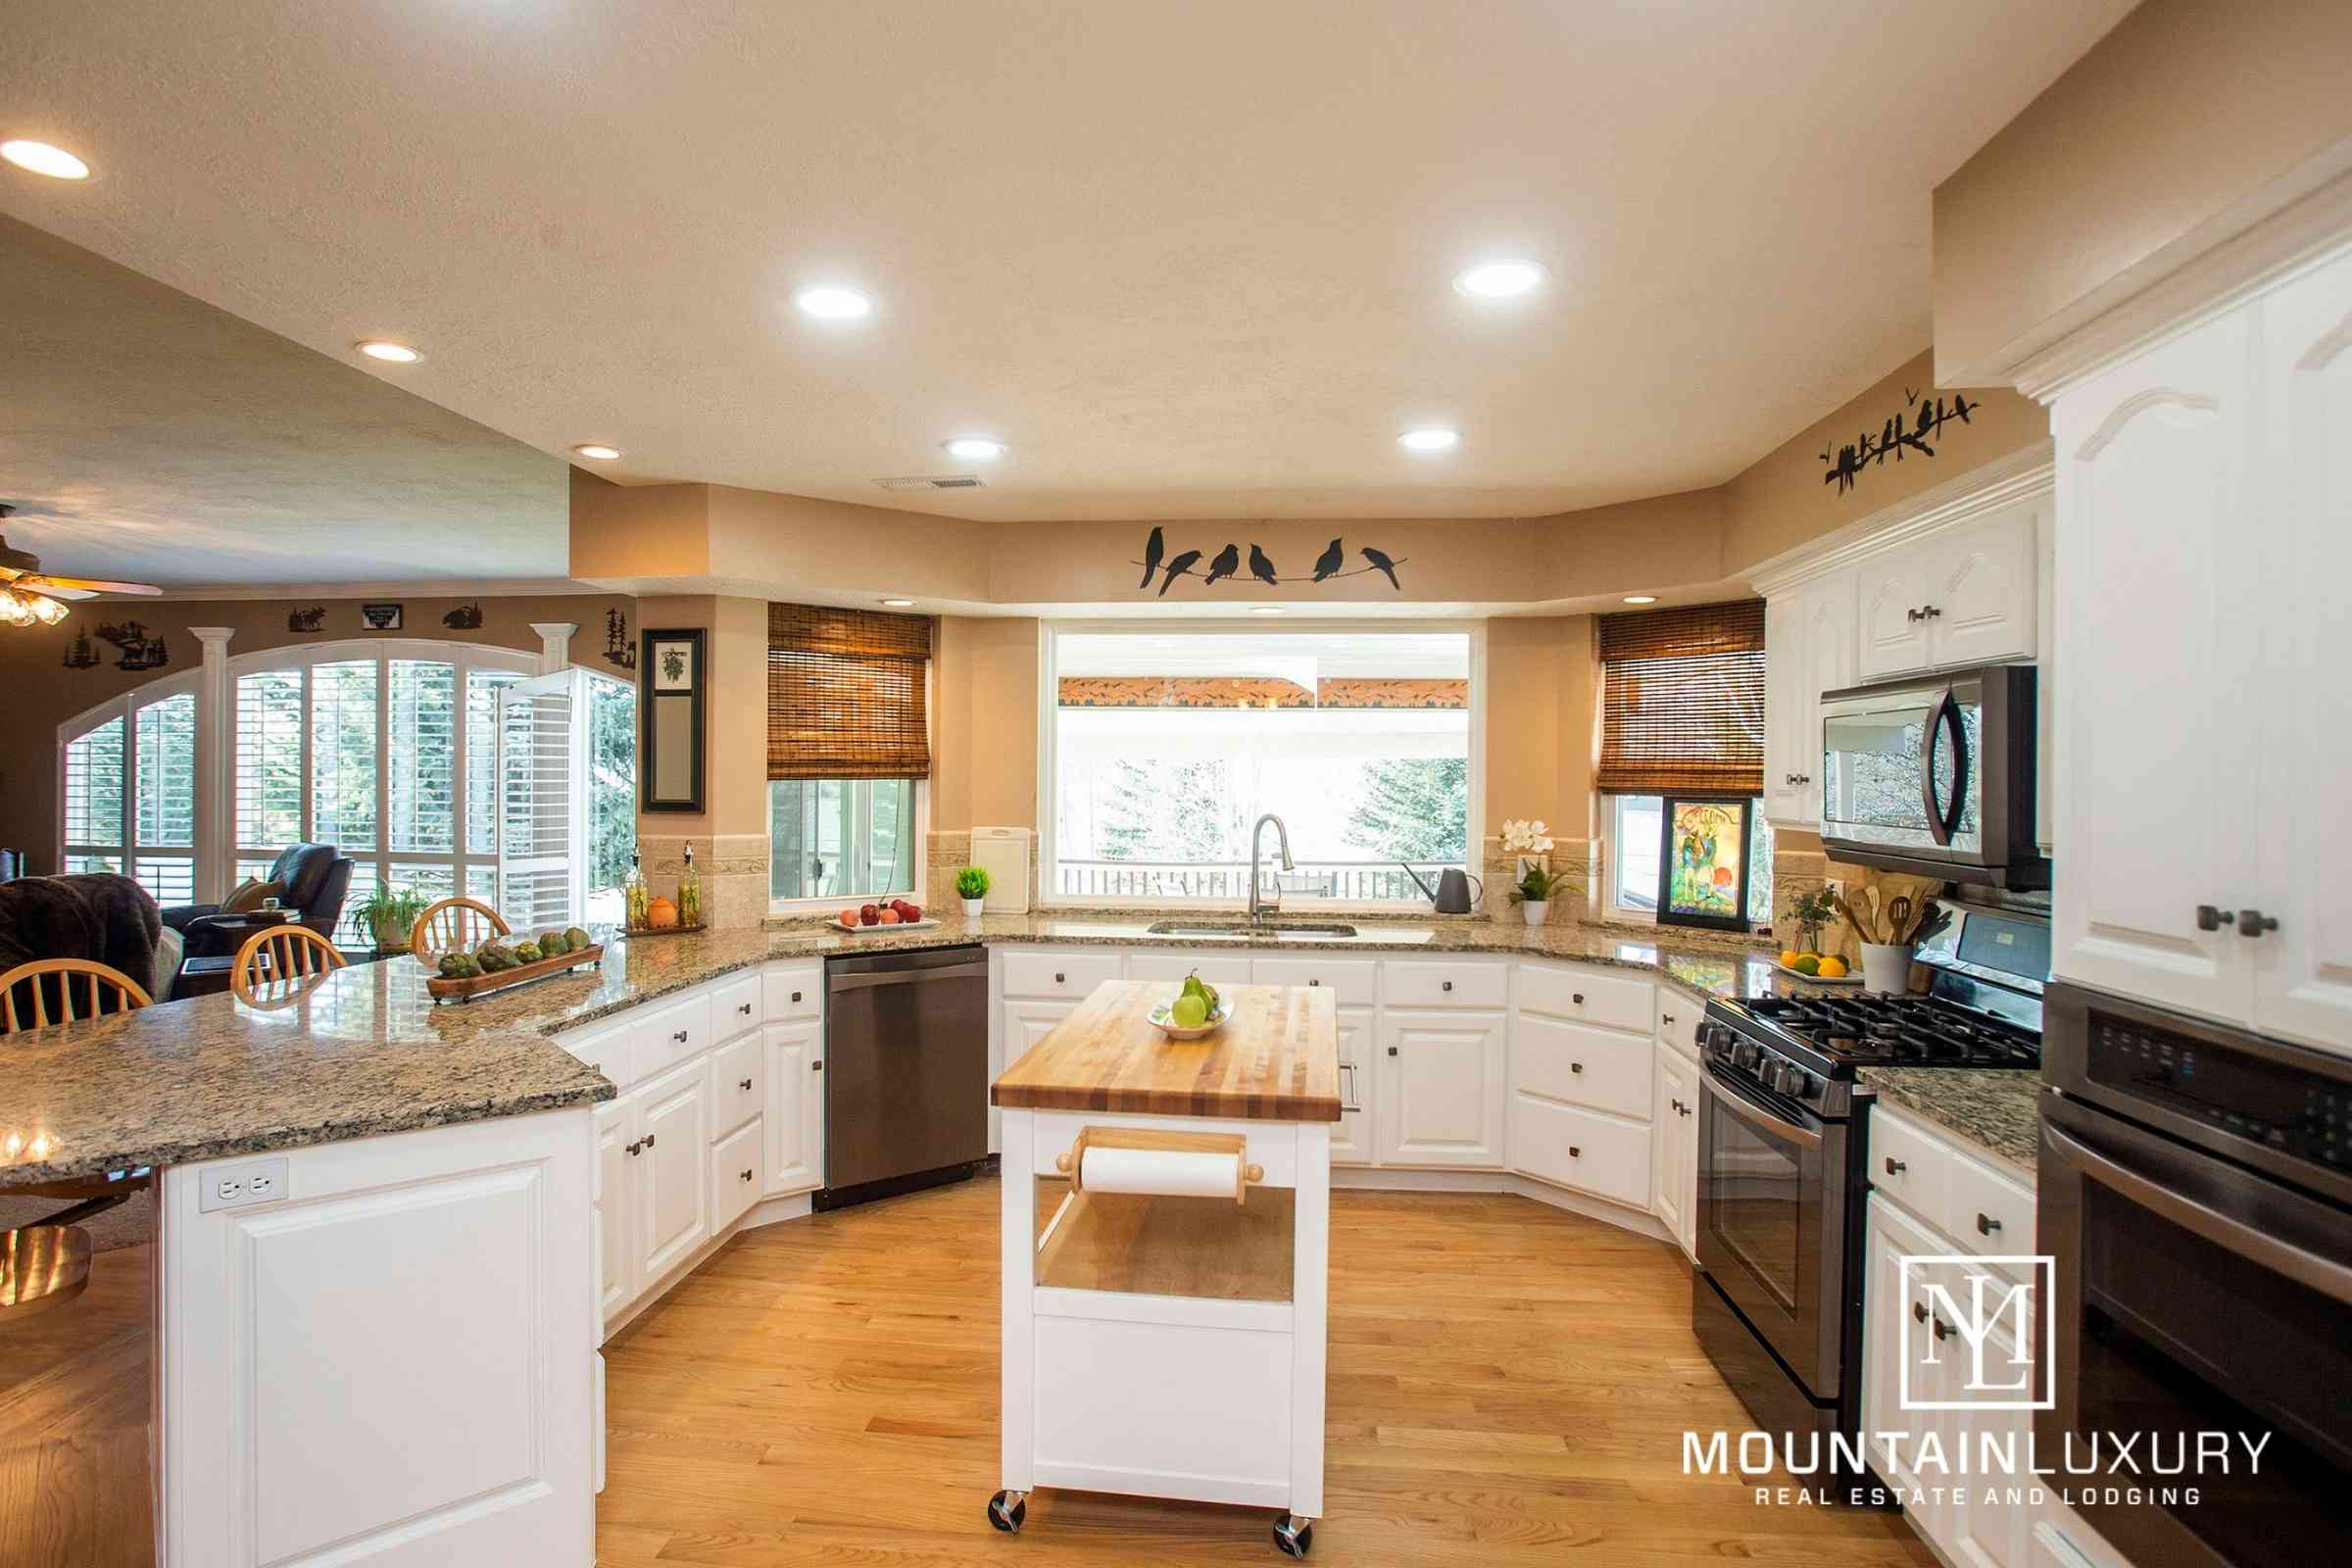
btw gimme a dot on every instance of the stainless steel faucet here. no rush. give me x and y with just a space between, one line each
1261 907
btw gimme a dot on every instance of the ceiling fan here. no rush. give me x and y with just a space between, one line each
29 597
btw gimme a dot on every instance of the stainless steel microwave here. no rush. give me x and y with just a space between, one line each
1934 775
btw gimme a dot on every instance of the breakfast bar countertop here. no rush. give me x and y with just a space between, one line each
1275 1058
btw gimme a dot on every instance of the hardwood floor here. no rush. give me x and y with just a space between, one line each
1508 1384
73 1430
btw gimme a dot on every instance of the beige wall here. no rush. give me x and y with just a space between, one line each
42 693
734 712
2130 163
984 756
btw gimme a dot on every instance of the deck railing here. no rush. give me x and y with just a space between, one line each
1350 881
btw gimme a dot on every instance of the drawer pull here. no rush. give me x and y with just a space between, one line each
1391 1050
1575 1066
1060 979
1577 997
1575 1153
1666 1019
1986 1224
745 1007
1677 1104
633 1148
747 1175
1312 981
648 1140
1896 1168
796 996
744 1084
816 1066
1919 1312
679 1037
1685 1110
1944 1330
1445 985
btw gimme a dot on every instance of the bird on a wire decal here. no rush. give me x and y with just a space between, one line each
1227 564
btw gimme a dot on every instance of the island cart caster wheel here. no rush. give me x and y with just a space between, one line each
1007 1511
1293 1535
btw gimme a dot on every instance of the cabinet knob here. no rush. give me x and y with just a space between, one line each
1919 1312
679 1037
1685 1110
2210 919
1445 985
747 1175
1944 1330
1391 1050
1577 997
796 996
1575 1066
744 1084
1060 979
1666 1017
816 1066
1911 615
1312 981
1896 1168
1930 611
1575 1153
1986 1224
648 1140
745 1007
633 1148
2253 923
1677 1104
1800 778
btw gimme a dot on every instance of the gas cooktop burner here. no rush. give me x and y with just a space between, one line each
1881 1030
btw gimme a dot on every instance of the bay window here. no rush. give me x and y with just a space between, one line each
1167 743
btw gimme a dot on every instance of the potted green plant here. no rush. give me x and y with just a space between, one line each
1811 909
971 885
1532 892
389 914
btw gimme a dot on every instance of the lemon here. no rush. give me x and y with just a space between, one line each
1833 968
1188 1011
1789 958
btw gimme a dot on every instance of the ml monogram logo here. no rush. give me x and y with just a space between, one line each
1970 1337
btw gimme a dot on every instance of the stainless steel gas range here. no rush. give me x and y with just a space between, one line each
1777 1298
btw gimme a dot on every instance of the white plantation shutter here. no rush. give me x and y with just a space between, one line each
343 755
270 764
421 782
483 687
542 842
167 802
94 787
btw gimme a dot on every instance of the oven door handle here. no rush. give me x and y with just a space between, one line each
1942 710
2322 1274
1772 1122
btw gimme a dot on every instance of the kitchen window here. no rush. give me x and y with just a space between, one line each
1167 743
1633 859
849 754
128 792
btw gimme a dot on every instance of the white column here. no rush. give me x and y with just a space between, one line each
215 780
554 644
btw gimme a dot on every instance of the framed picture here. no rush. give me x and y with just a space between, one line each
671 709
381 617
1703 862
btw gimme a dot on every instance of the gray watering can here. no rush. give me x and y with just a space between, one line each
1457 892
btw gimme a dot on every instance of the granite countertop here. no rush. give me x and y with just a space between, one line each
366 1052
1999 1107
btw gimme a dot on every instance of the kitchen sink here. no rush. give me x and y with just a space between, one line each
1248 928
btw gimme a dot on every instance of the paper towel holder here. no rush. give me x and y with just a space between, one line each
1073 1164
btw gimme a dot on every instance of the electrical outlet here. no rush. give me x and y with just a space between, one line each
260 1181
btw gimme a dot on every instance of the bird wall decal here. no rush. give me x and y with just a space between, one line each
1332 563
1228 561
1176 568
1151 554
1330 560
1384 566
1260 568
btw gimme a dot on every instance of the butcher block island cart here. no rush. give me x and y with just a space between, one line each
1164 1330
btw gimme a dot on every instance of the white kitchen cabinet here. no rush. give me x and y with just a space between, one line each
1026 1022
1219 970
1787 708
795 1117
2303 970
735 1173
616 1205
1674 1148
1442 1088
1352 1141
2159 732
673 1168
1962 595
1890 1359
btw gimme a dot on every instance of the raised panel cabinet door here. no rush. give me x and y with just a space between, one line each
673 1169
2158 770
1981 603
1028 1022
1351 1140
1894 633
1670 1182
1441 1089
1829 641
1991 1520
2303 986
1787 708
616 1207
1890 1359
796 1106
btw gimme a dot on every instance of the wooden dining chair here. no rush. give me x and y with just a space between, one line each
99 984
454 925
292 952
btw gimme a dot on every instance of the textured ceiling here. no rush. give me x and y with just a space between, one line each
1191 260
149 436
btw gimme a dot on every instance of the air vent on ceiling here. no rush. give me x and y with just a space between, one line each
923 481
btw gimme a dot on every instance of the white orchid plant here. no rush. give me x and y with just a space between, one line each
1524 836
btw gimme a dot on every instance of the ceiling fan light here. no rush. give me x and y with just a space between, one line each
48 612
14 611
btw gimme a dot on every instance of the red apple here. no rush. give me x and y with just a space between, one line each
910 913
869 915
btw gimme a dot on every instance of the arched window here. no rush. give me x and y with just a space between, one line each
129 788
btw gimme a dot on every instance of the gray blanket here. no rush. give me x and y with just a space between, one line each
96 915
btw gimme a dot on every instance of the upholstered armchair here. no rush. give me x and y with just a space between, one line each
313 879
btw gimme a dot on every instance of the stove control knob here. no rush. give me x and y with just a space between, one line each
1774 1076
1797 1080
1748 1053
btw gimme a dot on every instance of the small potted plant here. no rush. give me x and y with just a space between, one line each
1528 839
1811 909
971 885
1536 883
389 914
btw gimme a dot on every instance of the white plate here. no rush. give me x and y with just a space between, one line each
924 924
1158 1018
1814 979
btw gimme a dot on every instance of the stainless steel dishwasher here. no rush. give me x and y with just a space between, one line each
906 1071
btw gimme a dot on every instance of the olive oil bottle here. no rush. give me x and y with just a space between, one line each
690 892
633 895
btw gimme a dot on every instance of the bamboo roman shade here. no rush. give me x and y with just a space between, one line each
1682 701
846 694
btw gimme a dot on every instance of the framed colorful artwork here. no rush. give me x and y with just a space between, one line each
669 708
1703 862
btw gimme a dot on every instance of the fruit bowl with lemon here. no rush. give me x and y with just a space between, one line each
1818 969
1196 1010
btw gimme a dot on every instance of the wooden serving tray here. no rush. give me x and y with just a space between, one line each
632 933
465 988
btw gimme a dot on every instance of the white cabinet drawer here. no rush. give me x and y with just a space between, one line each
735 1007
610 1051
1909 1166
1352 982
735 1162
1612 1001
1579 1148
671 1033
793 991
1678 1016
1070 975
1219 970
738 1084
1427 983
1595 1067
1986 1212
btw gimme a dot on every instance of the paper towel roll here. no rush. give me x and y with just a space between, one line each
1166 1172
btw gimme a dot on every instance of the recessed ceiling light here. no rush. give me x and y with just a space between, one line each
597 450
975 448
898 604
42 159
834 304
1430 438
1640 599
1498 280
1266 609
390 353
